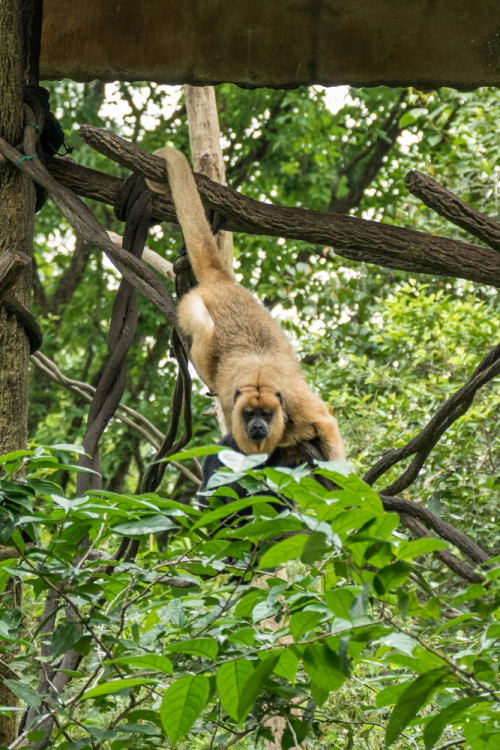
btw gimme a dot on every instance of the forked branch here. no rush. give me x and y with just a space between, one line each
424 442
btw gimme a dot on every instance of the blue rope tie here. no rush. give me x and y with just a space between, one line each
29 156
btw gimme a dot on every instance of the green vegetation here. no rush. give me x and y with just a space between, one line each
375 642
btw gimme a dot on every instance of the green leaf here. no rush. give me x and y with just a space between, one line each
339 600
67 448
415 547
323 668
287 549
249 601
438 724
293 739
303 622
6 529
25 692
182 704
114 686
228 510
253 685
481 737
315 548
391 576
410 702
230 680
147 525
239 462
199 646
204 450
287 666
65 636
151 662
400 641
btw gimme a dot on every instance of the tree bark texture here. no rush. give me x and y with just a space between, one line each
350 237
17 211
206 151
447 205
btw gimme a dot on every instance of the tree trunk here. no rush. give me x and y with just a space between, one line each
17 210
204 138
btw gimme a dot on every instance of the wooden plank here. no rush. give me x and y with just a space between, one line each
282 43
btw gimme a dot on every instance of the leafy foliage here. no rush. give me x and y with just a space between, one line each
190 641
368 641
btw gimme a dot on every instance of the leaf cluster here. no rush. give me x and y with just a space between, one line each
207 638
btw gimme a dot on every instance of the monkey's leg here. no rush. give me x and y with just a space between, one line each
311 418
329 436
196 321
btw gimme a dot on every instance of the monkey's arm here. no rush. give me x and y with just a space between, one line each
309 417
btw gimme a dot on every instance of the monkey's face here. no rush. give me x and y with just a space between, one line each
258 420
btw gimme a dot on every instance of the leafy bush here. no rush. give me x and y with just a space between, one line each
203 639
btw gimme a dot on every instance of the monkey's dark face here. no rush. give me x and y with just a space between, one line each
258 420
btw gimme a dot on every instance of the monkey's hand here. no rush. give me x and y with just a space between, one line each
327 430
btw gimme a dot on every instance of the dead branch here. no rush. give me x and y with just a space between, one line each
358 239
424 442
450 207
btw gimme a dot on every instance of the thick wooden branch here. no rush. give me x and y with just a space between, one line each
86 225
451 561
448 205
408 509
358 239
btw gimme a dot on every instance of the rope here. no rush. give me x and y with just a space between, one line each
23 158
137 205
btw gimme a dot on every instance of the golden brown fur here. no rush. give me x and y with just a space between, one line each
239 351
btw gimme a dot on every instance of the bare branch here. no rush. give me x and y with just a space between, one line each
448 205
130 417
359 239
424 442
448 558
86 225
442 528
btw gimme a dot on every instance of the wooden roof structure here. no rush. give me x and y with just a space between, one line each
276 43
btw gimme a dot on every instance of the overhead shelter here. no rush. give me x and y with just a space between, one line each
276 43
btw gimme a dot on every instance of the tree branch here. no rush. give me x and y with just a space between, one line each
445 530
450 207
376 151
86 225
359 239
451 561
130 416
424 442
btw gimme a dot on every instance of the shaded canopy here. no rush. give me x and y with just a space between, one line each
282 43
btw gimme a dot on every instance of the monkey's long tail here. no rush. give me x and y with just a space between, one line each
200 242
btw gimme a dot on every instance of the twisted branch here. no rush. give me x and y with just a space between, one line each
424 442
